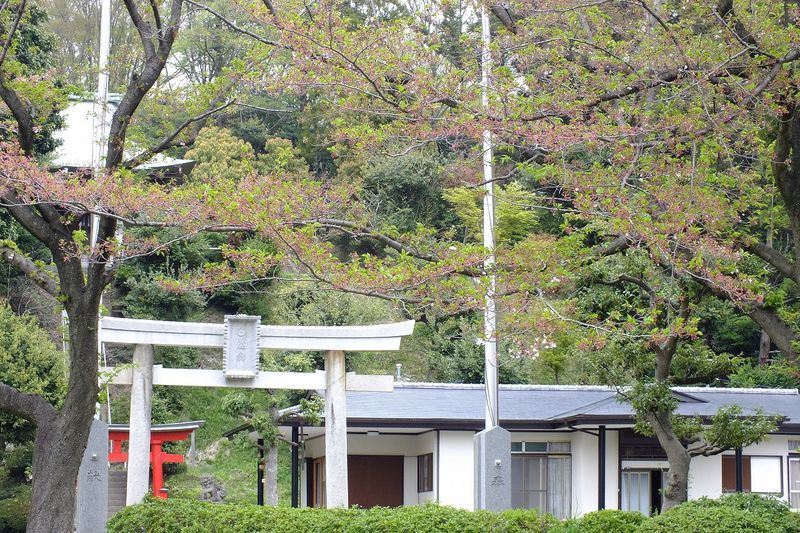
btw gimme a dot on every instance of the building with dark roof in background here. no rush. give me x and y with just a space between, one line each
573 448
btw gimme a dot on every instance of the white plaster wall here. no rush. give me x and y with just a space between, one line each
773 445
456 468
315 447
550 436
382 444
705 477
705 473
410 494
360 444
453 465
584 473
612 469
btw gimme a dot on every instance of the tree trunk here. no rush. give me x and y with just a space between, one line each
61 438
763 349
55 469
676 489
780 333
271 475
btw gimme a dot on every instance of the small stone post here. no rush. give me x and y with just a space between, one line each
91 509
141 405
335 430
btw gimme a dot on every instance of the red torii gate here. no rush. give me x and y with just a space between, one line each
159 434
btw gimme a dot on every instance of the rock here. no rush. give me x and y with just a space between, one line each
211 490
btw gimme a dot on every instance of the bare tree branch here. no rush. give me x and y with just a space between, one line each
268 4
619 244
773 257
28 406
43 278
235 27
142 27
12 31
504 16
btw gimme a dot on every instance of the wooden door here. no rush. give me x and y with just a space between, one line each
375 480
318 482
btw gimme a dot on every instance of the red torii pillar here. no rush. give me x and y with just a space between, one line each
159 434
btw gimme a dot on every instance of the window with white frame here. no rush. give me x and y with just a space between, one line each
636 492
541 477
762 474
794 481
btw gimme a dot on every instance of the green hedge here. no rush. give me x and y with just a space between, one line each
190 516
606 521
731 514
736 513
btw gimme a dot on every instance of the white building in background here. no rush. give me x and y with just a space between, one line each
573 448
80 147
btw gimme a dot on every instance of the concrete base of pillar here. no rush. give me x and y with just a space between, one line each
493 469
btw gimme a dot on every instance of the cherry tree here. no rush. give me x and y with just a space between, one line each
669 128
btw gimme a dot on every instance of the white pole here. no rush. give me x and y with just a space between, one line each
99 139
102 77
101 104
336 487
490 312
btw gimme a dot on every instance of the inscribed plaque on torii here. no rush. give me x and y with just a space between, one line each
241 346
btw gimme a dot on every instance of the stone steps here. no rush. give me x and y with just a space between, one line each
117 488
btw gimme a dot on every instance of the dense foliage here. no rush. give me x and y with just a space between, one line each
30 362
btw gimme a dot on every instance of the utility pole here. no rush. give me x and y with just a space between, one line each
490 311
100 110
99 140
493 444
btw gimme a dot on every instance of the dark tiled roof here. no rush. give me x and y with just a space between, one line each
537 406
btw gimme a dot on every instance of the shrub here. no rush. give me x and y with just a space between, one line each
14 509
30 363
189 516
736 513
606 521
18 460
150 300
775 510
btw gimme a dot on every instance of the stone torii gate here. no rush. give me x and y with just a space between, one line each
242 337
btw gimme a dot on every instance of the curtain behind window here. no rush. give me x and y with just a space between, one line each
559 486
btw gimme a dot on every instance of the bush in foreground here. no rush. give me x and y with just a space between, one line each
188 516
737 513
606 521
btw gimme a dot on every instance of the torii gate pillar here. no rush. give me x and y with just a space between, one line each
141 409
336 489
